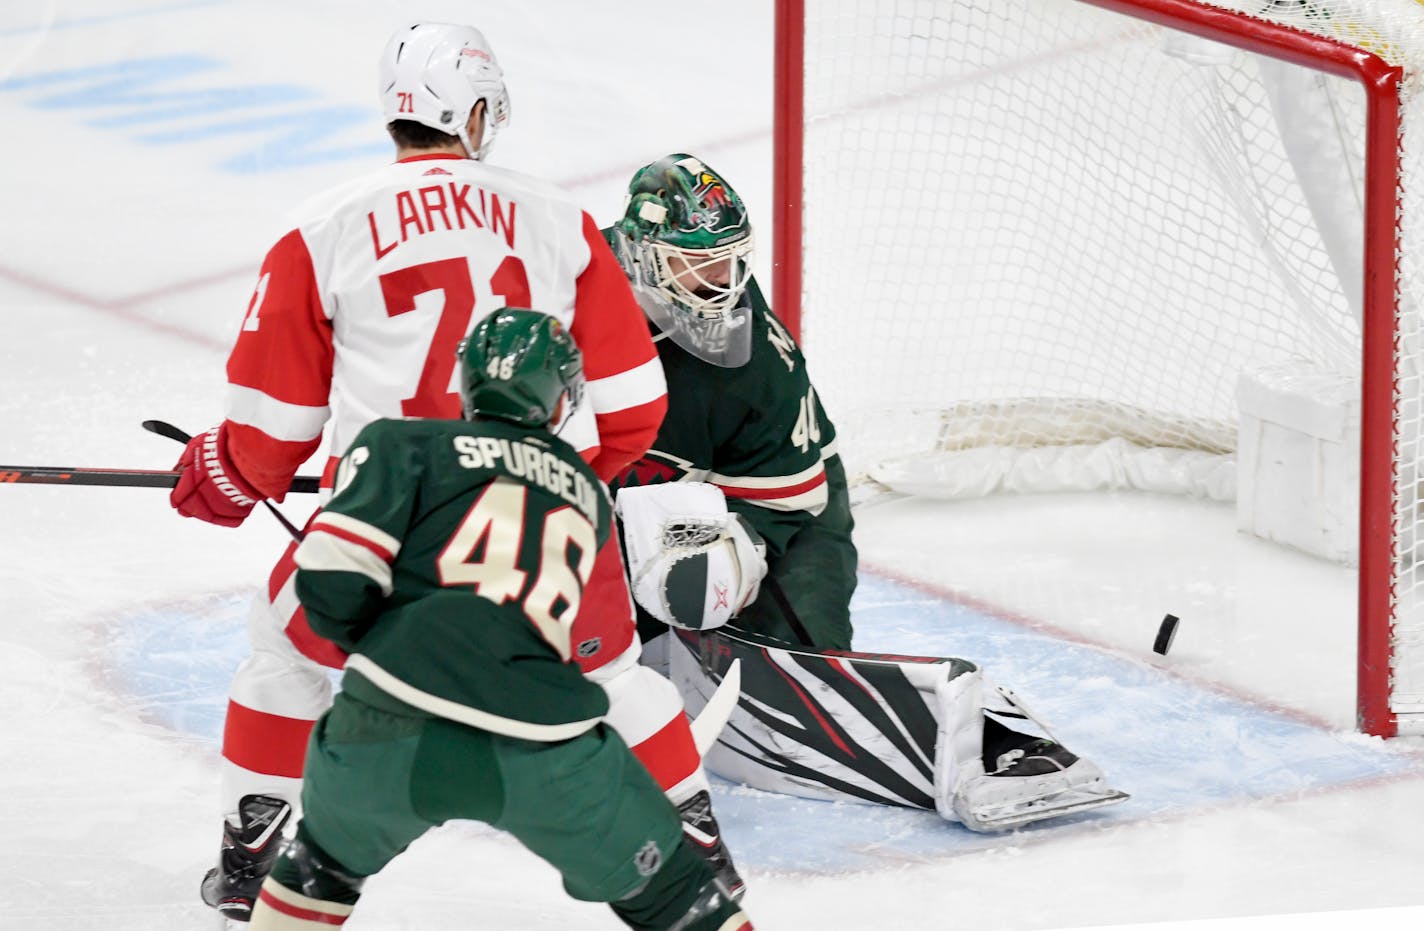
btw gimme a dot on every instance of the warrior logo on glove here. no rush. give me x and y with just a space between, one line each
210 487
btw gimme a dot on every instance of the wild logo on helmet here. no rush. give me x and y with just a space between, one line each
710 191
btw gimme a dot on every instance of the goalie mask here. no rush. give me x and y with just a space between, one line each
685 243
516 365
435 73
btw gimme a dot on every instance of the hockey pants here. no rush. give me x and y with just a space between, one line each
379 777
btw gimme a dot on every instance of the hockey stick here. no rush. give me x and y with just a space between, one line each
778 594
119 478
707 726
163 428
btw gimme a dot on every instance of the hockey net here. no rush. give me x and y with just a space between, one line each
1076 224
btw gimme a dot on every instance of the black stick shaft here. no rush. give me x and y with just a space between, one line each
163 428
121 478
778 594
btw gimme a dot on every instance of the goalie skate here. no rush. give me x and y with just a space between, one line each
1039 781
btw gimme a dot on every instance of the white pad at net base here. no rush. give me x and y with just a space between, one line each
1114 464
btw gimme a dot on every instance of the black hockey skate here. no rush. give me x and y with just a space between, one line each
1038 757
700 828
1008 752
248 851
1027 779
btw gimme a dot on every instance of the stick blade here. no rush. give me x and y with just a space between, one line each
163 428
708 725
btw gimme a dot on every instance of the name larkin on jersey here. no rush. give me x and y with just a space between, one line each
534 464
449 206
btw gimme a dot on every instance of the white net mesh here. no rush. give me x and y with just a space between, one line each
1056 227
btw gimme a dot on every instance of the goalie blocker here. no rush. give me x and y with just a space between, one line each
912 731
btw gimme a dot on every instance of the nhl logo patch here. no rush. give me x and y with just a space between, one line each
589 647
648 860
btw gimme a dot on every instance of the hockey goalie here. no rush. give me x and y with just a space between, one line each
921 732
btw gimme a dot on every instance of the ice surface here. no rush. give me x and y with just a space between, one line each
134 217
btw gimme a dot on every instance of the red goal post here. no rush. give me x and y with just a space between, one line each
955 146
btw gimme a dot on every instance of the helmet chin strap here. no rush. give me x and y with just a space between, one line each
562 416
470 151
464 133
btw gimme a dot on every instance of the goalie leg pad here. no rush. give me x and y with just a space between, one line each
992 778
839 726
896 730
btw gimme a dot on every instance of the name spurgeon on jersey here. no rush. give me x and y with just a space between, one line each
534 463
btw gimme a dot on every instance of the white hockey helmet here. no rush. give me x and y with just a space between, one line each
435 73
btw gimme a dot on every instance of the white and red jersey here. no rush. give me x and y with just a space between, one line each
359 308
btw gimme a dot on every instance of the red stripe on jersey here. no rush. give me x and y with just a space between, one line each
625 435
265 743
350 536
307 641
613 334
265 463
589 454
328 474
767 494
433 156
604 627
313 645
608 324
284 348
670 754
299 913
282 571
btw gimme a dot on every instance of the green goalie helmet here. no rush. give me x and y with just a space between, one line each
685 243
516 365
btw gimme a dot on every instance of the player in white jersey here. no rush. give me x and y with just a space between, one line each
357 315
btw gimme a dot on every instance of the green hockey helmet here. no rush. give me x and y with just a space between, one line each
685 242
516 365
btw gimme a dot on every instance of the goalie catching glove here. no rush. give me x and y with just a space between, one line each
692 564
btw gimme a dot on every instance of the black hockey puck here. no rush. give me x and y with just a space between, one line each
1165 635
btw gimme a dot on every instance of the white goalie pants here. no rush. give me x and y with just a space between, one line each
285 684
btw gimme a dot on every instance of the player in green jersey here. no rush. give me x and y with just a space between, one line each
742 414
745 434
450 565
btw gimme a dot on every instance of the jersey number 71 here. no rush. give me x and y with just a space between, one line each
400 288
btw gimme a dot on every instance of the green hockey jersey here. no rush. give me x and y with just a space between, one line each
759 433
450 563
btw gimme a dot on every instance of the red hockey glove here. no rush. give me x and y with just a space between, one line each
209 488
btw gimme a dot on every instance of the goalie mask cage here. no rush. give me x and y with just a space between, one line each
1068 226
